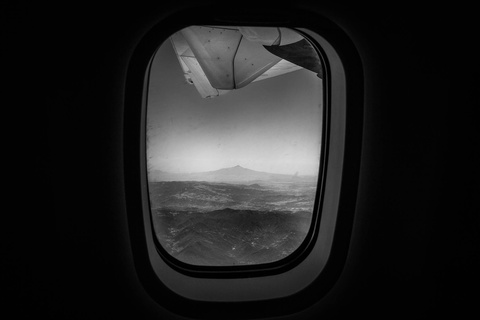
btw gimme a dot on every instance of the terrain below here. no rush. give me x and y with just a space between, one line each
218 224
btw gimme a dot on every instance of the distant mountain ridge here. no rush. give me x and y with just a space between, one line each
236 174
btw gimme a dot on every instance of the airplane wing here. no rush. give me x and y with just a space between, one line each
192 70
219 59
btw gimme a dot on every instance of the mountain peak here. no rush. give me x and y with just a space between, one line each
236 171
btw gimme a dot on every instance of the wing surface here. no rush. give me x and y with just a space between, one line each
219 59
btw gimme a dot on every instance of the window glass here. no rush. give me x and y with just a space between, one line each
234 122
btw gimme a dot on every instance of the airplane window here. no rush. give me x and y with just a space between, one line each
233 146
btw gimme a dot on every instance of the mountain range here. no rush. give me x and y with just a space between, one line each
235 174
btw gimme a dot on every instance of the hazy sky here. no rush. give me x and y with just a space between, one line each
273 125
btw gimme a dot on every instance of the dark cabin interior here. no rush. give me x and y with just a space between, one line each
415 242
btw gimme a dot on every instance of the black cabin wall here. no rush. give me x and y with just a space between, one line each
415 241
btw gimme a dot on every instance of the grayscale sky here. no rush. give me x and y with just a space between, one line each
273 125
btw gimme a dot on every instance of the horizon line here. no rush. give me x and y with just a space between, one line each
192 172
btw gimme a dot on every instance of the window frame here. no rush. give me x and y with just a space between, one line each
183 286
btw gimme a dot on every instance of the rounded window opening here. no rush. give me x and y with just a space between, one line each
233 142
